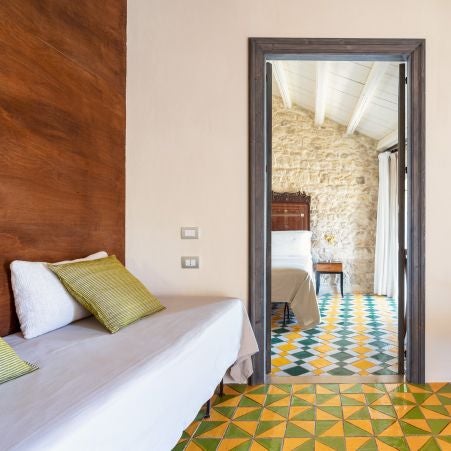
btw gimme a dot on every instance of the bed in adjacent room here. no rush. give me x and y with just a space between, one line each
292 280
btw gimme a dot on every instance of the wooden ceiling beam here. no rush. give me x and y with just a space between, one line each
279 75
369 90
321 92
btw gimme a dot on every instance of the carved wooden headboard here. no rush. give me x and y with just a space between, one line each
290 211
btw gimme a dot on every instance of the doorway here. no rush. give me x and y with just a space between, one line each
409 52
334 219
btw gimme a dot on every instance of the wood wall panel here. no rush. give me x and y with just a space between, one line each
62 133
90 33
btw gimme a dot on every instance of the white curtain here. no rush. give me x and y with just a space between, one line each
386 255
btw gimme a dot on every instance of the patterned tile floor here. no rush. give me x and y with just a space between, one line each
325 417
357 336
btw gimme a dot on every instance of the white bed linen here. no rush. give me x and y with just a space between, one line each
137 389
292 281
291 243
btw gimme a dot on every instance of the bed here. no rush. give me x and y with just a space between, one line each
292 280
137 389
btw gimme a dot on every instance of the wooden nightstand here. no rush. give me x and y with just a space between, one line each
328 268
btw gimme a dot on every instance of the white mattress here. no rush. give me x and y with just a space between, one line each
137 389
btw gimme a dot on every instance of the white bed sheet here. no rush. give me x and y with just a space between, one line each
292 281
137 389
301 262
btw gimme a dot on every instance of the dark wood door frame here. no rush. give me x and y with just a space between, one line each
411 51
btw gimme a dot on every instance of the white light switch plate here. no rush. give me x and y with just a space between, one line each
190 262
189 233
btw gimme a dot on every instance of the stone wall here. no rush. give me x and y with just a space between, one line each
340 173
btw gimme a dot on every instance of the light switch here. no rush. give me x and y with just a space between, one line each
189 233
190 262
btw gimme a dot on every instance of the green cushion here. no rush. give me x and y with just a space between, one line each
11 365
110 292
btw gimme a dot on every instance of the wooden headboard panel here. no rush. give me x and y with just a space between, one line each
62 133
290 211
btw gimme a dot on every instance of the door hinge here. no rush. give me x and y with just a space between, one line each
406 80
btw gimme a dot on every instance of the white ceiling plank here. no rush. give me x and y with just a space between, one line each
377 72
388 140
302 85
351 71
321 92
306 68
279 75
344 85
373 131
345 82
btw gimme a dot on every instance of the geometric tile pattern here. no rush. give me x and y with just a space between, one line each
325 417
358 335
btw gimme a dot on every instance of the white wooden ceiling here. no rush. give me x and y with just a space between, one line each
361 95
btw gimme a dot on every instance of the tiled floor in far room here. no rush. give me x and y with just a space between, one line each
357 336
325 417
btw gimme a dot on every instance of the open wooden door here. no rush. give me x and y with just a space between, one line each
268 152
402 251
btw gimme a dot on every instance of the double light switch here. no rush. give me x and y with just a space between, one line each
190 262
190 233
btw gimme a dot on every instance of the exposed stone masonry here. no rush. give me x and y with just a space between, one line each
340 173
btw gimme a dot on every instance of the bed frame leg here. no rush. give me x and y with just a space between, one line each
286 313
207 409
221 388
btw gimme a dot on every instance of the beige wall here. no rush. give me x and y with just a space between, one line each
187 155
340 174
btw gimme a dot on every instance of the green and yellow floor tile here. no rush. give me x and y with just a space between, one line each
324 417
357 336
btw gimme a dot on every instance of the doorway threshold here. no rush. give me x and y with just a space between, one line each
355 379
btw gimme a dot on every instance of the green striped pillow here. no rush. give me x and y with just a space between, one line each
11 365
110 292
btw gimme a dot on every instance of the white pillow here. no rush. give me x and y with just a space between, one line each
42 302
291 243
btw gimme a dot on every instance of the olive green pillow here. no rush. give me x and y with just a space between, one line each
110 292
11 365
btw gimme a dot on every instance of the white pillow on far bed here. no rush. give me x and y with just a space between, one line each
42 302
291 243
